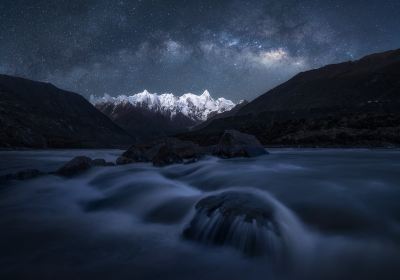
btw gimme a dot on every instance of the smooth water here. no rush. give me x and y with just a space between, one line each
339 210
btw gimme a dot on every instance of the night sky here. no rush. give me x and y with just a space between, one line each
235 49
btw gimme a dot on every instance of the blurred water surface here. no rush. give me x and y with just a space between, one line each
125 222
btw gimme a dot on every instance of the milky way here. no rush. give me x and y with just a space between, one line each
235 49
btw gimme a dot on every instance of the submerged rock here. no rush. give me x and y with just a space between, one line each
99 162
75 166
25 174
236 144
122 160
240 220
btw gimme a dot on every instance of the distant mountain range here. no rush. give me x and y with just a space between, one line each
39 115
354 103
148 115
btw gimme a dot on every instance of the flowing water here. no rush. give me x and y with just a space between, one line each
334 213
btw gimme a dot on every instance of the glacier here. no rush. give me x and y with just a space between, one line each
196 107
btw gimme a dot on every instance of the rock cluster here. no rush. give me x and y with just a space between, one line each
162 152
80 164
22 175
171 150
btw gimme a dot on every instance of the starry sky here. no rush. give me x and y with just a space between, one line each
237 49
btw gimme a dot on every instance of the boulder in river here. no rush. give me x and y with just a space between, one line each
75 166
166 156
122 160
102 162
240 220
138 153
162 152
236 144
99 162
173 151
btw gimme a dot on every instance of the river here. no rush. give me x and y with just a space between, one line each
339 210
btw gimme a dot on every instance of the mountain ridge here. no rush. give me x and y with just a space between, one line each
150 115
344 80
196 107
345 104
39 115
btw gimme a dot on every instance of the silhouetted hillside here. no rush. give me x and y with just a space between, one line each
39 115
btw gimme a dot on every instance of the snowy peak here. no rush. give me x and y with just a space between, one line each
196 107
206 94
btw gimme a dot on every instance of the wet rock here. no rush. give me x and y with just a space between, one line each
138 153
163 152
236 144
166 156
176 151
99 162
75 166
22 175
122 160
28 174
102 162
185 149
239 220
191 160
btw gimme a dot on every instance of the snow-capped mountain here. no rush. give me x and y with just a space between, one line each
149 115
197 108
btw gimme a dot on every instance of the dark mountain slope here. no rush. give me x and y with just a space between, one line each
347 104
373 79
39 115
147 124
